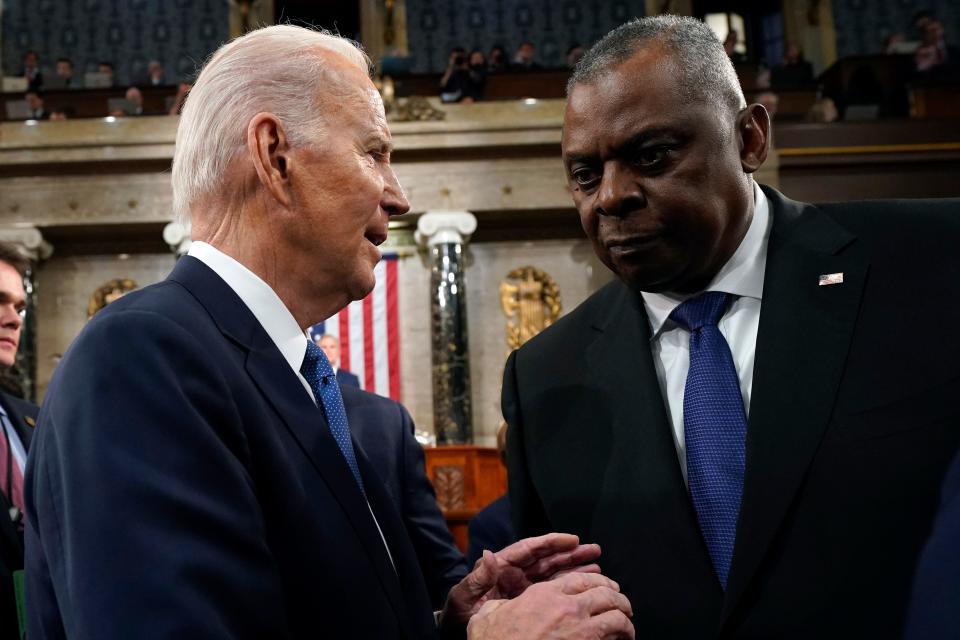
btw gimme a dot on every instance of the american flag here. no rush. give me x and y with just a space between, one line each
369 332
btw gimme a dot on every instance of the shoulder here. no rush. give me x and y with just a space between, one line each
576 329
23 407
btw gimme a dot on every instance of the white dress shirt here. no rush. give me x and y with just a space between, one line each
741 276
269 310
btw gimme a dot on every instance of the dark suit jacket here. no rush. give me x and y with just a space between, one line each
852 424
347 379
182 484
384 431
490 529
935 609
22 415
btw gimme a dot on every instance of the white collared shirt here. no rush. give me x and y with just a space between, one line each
263 302
741 276
269 310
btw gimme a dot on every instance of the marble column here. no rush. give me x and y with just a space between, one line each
445 234
31 242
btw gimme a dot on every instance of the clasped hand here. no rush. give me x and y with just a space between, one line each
549 586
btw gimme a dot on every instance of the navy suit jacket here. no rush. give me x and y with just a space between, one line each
347 379
935 612
22 415
852 424
384 430
182 484
490 529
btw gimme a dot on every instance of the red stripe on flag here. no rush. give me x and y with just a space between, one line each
344 316
369 371
393 330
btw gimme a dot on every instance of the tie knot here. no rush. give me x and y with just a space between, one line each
315 365
704 310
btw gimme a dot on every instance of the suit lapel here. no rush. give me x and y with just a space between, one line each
8 531
643 470
802 343
304 420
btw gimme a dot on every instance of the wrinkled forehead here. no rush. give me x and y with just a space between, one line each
644 88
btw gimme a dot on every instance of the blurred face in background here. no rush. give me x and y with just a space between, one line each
13 302
331 348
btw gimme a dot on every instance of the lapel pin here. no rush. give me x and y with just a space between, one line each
831 278
30 421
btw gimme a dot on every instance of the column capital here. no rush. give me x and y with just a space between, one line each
177 236
441 227
29 238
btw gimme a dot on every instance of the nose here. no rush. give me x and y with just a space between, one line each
10 317
619 192
394 200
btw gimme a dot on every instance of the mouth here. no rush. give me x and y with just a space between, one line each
625 246
7 342
376 237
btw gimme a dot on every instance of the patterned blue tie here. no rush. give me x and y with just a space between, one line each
715 427
319 374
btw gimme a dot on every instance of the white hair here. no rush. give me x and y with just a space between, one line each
274 69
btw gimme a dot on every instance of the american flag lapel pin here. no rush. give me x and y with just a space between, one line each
831 278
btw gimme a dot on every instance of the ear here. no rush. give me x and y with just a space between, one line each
268 149
753 127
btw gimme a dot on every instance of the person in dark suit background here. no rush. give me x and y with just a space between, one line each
492 528
17 418
192 473
747 421
385 432
934 612
331 348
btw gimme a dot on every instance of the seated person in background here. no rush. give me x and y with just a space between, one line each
35 104
794 71
65 73
330 345
155 74
524 58
62 113
933 52
135 97
457 84
478 72
498 59
106 68
31 71
492 528
384 430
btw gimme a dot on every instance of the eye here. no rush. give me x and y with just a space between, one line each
652 157
585 177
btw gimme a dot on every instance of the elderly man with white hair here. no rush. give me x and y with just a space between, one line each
192 474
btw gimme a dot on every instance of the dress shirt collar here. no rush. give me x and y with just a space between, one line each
742 275
263 302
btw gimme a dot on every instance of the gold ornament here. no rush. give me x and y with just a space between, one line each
531 305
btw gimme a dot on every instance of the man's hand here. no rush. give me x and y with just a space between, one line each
507 573
576 606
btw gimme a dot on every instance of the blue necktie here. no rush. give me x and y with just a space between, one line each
319 375
715 427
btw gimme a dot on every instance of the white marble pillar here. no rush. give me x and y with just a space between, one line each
445 234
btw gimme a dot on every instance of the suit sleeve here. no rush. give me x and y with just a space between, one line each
440 560
142 519
529 517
